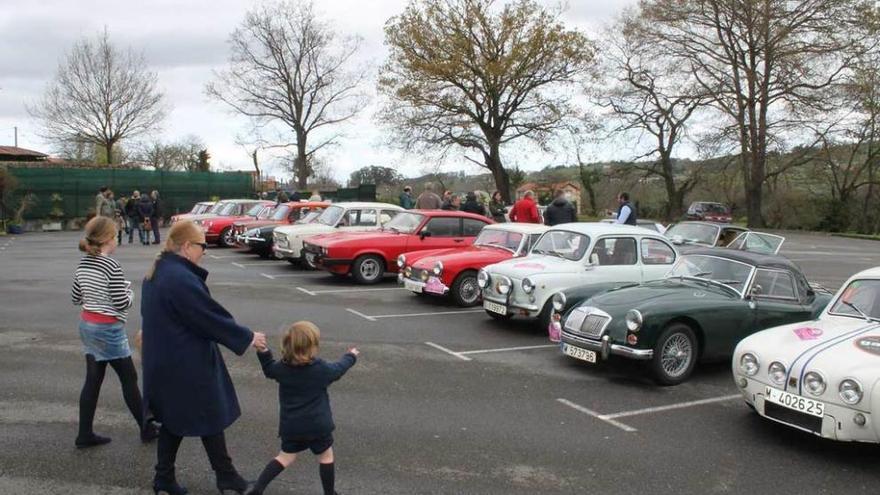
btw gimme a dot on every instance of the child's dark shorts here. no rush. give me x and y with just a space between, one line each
318 445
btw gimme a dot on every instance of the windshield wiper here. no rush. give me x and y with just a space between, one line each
860 312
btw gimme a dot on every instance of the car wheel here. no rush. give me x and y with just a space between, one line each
293 261
545 315
675 355
304 262
465 291
227 238
368 269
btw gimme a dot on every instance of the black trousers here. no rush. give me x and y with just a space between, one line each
215 446
88 398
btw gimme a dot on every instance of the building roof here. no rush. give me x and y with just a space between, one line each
21 152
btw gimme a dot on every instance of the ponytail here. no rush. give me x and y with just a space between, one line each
99 231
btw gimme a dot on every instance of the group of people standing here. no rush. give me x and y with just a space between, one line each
140 213
525 210
187 388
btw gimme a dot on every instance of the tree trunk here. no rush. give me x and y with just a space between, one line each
493 163
108 148
301 165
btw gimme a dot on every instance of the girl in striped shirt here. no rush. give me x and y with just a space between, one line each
99 286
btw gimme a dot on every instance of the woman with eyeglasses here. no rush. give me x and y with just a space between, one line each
186 383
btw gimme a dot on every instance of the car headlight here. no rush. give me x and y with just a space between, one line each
850 391
776 373
748 364
814 383
424 275
483 279
407 272
324 251
438 268
401 261
558 301
634 320
528 286
504 285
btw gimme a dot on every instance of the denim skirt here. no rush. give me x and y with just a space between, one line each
105 341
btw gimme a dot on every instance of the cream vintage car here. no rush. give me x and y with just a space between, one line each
820 376
570 255
338 217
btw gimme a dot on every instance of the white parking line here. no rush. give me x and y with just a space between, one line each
341 291
448 351
286 275
505 349
263 263
596 415
612 418
358 313
214 256
671 407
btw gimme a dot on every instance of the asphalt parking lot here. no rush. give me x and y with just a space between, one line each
443 400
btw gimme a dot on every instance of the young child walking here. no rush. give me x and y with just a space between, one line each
305 417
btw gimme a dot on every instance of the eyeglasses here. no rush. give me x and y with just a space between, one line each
204 245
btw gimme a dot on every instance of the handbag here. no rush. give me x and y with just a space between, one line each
147 224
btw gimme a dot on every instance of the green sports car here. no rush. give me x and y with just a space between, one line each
710 300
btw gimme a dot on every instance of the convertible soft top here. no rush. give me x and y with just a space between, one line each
759 260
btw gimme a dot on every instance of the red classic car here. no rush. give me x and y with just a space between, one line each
256 234
218 227
453 271
369 255
199 208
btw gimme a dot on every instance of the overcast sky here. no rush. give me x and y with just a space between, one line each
184 40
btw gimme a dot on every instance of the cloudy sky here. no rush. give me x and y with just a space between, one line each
184 40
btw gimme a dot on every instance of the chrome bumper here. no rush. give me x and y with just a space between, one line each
246 239
508 304
606 348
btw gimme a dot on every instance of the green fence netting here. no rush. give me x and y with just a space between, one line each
77 188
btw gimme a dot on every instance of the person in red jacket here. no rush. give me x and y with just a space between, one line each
525 210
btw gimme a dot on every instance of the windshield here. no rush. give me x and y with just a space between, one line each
724 271
693 233
757 242
716 208
227 209
281 212
564 244
331 215
217 207
499 238
255 210
864 295
406 223
311 217
266 212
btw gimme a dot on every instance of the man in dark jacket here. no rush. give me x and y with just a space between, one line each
471 205
134 223
145 211
626 214
406 199
186 383
156 216
560 210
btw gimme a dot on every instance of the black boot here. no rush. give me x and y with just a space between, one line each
166 452
169 487
150 431
231 481
91 440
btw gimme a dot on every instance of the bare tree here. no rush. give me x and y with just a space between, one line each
648 95
288 66
183 155
471 75
767 64
100 95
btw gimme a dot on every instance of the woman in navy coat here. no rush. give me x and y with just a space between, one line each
186 384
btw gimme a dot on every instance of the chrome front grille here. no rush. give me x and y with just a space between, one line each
587 322
281 240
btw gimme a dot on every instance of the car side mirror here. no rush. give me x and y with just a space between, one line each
425 233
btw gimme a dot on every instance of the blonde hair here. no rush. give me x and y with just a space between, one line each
99 231
300 343
179 234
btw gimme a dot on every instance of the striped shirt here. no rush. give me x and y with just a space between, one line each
100 287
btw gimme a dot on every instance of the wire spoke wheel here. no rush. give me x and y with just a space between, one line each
676 355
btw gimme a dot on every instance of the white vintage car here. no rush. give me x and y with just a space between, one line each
570 255
338 217
820 376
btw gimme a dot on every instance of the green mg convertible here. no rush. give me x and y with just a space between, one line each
709 301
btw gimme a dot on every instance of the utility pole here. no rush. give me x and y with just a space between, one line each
16 136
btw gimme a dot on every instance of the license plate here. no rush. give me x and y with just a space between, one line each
578 353
435 286
795 402
495 307
412 285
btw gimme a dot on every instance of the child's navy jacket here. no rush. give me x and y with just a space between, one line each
302 393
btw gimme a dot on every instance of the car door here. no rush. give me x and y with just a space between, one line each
615 259
438 233
657 258
776 299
